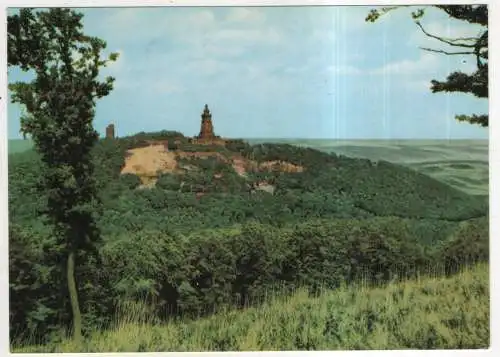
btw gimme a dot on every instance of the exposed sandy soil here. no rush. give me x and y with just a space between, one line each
242 166
147 162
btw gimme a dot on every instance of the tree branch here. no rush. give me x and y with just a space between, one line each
446 52
447 41
482 120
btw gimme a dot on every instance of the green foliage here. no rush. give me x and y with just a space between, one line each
237 145
27 279
130 181
169 182
200 271
477 46
143 139
339 221
59 106
466 246
160 135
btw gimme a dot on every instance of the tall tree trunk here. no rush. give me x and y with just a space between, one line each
73 295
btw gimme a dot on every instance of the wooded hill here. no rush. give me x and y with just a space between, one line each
335 220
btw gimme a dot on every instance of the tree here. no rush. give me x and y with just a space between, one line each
475 83
59 106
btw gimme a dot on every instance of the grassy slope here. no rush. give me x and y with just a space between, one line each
422 314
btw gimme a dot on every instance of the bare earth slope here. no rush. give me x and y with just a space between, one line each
148 162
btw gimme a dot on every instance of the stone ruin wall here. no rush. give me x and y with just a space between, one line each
110 131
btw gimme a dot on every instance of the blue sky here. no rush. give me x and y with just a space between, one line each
278 72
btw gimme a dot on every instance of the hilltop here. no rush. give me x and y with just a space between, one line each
336 185
374 188
462 164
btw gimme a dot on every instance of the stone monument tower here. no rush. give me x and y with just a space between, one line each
110 131
207 128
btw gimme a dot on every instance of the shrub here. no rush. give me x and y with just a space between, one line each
130 181
467 246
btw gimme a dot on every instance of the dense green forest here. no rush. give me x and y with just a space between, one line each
338 221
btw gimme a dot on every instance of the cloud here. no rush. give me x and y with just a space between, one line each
194 33
324 36
272 67
264 36
215 50
419 85
202 41
424 64
204 67
134 25
200 49
344 70
165 85
241 15
202 18
413 75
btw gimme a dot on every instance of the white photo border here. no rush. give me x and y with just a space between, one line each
494 159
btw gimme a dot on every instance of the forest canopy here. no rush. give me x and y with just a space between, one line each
333 222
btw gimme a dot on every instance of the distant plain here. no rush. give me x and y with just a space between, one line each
462 164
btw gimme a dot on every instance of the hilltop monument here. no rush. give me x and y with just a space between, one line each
207 128
207 135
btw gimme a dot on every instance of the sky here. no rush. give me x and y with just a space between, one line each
278 72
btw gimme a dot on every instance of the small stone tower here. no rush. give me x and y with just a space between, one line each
207 128
110 131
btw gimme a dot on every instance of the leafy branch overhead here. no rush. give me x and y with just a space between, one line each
475 83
